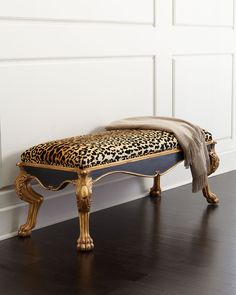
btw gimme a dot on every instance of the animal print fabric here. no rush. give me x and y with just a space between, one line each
102 148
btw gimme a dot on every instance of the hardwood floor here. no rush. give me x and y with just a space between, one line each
176 245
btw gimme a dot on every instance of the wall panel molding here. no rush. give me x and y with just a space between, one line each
72 58
76 21
117 82
233 99
192 69
0 155
155 102
203 13
122 12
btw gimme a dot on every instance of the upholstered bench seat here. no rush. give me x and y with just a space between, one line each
84 160
102 148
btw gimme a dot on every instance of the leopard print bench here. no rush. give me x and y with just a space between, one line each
84 160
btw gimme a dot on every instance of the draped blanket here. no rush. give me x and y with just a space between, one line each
190 137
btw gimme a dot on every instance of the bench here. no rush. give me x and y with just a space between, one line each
84 160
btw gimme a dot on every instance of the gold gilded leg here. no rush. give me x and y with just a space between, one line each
26 193
155 191
84 242
83 195
210 196
214 161
214 164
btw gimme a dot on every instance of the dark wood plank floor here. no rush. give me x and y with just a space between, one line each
177 245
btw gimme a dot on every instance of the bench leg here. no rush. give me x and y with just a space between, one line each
209 195
155 191
83 195
26 193
214 161
214 164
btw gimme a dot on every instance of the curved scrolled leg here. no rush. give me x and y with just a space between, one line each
214 164
155 191
214 161
83 195
26 193
210 196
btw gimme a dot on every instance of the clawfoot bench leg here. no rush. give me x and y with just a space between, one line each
83 195
209 195
155 191
214 164
26 193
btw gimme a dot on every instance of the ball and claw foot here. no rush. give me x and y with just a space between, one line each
85 244
23 232
210 196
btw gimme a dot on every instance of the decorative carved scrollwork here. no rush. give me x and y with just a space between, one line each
214 162
20 183
26 193
84 192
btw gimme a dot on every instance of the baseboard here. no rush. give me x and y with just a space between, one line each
61 206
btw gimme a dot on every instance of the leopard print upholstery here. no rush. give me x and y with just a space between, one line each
101 148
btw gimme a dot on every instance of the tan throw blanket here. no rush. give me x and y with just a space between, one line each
190 137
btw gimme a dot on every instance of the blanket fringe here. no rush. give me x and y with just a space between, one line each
199 183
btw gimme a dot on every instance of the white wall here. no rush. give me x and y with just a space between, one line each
69 68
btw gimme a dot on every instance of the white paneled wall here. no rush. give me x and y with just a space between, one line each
125 11
69 68
204 13
209 81
68 97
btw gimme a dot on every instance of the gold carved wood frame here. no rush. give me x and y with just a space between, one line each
55 178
